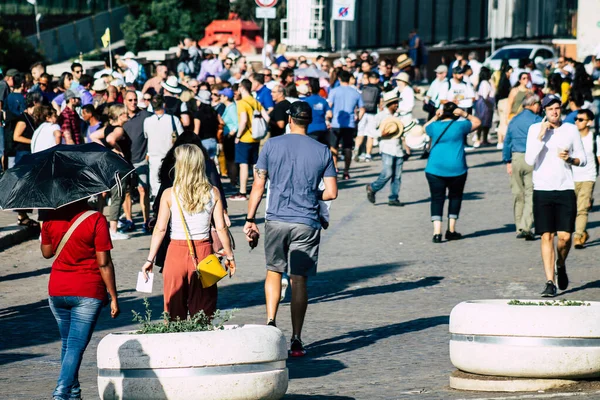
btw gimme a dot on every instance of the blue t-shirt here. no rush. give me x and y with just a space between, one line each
319 108
295 165
570 118
447 157
344 100
265 98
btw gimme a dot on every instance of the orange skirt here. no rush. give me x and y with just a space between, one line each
183 290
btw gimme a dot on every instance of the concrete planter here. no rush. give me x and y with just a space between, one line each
490 337
240 362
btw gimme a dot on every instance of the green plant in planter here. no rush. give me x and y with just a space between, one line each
197 323
562 302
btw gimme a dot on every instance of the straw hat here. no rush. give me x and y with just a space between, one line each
390 97
391 128
403 77
404 61
99 85
414 136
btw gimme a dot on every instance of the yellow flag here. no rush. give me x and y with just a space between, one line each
106 38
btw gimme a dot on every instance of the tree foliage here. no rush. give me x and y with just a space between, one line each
172 20
15 50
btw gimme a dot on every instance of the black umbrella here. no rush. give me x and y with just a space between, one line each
61 175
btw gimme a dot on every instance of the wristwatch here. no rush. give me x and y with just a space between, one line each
569 160
251 220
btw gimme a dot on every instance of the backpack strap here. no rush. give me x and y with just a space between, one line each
72 228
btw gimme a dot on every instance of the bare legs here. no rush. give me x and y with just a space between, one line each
549 256
299 299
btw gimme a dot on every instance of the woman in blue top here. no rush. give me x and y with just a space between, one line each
447 165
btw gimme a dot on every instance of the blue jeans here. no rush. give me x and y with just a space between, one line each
211 147
597 116
392 169
76 318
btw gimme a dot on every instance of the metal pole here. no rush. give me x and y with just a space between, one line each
37 22
266 40
493 30
343 38
110 55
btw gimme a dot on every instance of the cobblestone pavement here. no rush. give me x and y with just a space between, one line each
377 324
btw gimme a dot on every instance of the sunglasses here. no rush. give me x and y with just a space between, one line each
43 84
131 100
215 94
147 98
581 119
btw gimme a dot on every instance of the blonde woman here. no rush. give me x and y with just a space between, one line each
200 203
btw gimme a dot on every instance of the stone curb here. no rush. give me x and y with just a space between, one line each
471 382
19 235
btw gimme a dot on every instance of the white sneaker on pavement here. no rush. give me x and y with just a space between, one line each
118 236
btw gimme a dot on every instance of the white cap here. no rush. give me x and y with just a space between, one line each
129 54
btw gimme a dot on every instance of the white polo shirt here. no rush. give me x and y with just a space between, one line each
159 132
549 171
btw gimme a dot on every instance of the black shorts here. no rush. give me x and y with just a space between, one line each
320 136
554 211
345 136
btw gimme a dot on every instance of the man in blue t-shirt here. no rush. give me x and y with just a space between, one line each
263 93
321 114
295 165
345 102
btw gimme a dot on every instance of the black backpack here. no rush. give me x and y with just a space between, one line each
370 97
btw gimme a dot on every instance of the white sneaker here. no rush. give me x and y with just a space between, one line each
469 148
118 236
285 282
368 158
500 146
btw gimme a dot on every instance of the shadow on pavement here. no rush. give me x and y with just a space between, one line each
37 320
28 274
355 340
589 285
7 358
372 290
309 367
486 232
315 397
469 196
252 294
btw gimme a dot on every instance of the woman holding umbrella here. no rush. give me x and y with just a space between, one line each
61 180
81 274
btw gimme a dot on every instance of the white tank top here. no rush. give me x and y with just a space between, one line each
198 224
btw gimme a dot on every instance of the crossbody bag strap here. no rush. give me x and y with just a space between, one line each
74 226
185 229
440 137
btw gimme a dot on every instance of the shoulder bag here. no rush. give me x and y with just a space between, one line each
210 271
72 228
426 153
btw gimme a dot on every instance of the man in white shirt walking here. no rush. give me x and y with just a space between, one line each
459 91
552 149
585 177
160 129
432 97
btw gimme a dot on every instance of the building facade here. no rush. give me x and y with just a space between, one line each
387 23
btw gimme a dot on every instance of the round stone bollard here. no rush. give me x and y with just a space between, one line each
239 362
491 337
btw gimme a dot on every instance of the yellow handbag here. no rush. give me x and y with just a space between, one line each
210 271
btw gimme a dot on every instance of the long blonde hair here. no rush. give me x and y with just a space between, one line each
191 183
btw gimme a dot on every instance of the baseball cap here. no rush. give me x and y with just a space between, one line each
300 110
11 72
128 55
352 56
441 68
226 92
549 100
208 51
458 70
72 94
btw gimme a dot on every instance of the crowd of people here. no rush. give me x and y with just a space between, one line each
211 117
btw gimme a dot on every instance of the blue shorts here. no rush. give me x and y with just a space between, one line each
1 141
246 153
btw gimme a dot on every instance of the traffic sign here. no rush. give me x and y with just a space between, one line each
266 13
343 10
266 3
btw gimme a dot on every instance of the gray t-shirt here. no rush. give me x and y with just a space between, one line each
135 130
295 164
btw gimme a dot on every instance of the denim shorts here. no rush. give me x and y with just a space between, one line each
246 153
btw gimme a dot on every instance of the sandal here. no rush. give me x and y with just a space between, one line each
28 222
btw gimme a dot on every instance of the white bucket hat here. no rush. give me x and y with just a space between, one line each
172 85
